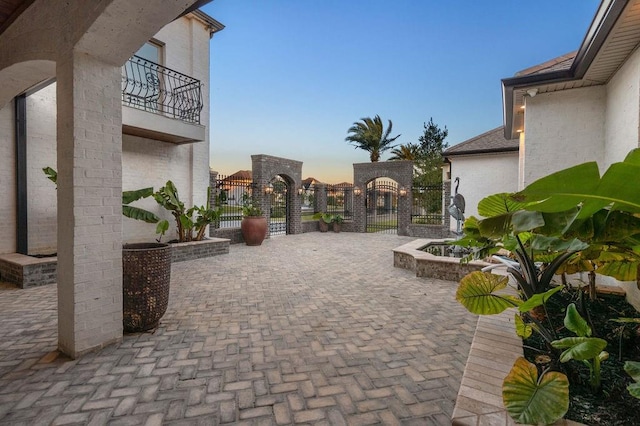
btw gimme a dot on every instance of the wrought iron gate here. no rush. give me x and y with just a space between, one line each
279 207
382 206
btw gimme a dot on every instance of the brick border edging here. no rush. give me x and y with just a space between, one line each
28 271
494 349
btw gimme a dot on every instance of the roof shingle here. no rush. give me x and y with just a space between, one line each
491 141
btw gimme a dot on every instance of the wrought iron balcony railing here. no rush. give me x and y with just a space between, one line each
160 90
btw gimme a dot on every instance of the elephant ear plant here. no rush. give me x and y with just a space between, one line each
571 220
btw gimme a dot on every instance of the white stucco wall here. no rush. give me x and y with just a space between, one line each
483 175
623 111
563 129
145 162
7 180
41 152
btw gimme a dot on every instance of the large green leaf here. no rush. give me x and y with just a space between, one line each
619 185
582 185
139 214
633 369
526 221
579 348
538 299
575 323
523 329
530 400
129 197
553 244
498 204
623 271
495 226
476 292
563 190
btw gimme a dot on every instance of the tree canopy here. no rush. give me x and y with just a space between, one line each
369 135
426 154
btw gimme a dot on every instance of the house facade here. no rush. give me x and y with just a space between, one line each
583 106
485 164
98 146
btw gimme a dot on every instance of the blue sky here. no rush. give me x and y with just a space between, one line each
289 77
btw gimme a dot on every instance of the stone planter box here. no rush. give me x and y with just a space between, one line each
427 265
27 271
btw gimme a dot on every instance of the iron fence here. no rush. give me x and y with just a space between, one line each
229 194
382 206
161 90
427 208
340 200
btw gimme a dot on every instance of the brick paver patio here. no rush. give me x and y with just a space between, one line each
313 328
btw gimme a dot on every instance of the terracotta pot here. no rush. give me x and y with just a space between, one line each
254 230
337 227
146 274
323 226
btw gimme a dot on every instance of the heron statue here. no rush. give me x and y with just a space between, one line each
456 208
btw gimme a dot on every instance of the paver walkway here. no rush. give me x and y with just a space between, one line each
313 328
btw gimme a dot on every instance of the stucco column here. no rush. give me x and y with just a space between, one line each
89 153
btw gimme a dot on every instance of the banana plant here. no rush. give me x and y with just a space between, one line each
186 222
128 197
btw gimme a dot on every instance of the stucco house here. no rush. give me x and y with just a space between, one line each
74 97
582 106
485 164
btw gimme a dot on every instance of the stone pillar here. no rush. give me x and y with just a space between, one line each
446 195
89 154
320 198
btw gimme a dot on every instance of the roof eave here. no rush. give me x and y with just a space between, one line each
604 20
483 151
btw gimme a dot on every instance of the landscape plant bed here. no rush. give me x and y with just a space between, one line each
612 404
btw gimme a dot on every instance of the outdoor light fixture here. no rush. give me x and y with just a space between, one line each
268 189
402 192
300 191
357 191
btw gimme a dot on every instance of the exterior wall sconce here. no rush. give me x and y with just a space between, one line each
357 191
402 192
268 189
300 191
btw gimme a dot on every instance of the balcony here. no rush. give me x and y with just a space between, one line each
160 103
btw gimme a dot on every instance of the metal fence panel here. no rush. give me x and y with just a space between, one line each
427 206
382 207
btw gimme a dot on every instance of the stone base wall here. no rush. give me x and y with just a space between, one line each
27 271
234 235
199 249
410 257
430 231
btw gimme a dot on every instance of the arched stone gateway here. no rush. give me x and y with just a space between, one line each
401 172
265 170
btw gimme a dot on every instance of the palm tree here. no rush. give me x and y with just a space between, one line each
369 134
409 151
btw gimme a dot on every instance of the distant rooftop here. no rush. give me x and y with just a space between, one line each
488 142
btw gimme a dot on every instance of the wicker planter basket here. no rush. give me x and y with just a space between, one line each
146 273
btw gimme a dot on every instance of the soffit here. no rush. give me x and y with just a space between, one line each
10 10
622 40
